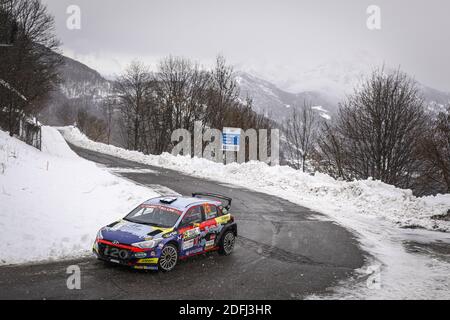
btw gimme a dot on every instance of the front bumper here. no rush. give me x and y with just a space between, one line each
126 255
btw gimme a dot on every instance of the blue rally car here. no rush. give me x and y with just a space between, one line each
162 230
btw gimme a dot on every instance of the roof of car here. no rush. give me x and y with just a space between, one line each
180 203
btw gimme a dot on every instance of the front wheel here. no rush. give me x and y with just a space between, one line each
227 243
169 257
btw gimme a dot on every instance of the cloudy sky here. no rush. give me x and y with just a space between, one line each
289 35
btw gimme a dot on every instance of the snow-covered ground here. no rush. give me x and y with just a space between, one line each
374 211
52 203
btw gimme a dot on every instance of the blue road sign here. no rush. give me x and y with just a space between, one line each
230 139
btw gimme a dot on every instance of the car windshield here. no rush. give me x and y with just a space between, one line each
154 215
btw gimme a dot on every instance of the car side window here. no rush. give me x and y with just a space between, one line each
194 215
210 211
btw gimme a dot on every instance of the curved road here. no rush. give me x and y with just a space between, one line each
282 253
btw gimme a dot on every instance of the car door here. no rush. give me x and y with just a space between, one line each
209 228
190 232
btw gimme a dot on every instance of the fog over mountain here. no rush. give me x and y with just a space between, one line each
292 35
276 88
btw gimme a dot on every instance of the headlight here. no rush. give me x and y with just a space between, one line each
146 244
99 235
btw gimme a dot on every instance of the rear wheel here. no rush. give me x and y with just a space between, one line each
227 243
169 257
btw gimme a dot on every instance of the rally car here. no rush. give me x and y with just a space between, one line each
162 230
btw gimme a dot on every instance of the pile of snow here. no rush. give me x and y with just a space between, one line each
319 192
52 203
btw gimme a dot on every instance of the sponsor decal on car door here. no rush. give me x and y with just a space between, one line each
190 233
210 227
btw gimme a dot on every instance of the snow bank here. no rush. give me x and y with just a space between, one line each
52 202
319 192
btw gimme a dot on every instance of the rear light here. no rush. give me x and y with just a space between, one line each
231 218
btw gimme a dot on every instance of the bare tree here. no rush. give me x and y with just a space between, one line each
330 156
177 95
223 93
376 132
29 64
181 93
91 126
435 155
108 108
301 134
133 89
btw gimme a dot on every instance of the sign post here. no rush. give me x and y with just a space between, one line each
230 139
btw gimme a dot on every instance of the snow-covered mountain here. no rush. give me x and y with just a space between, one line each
80 87
436 100
81 81
332 78
277 104
276 89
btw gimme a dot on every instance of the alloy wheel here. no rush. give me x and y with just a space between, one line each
168 258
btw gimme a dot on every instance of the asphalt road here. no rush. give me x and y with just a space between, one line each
282 252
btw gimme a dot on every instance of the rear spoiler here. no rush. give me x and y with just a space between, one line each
214 195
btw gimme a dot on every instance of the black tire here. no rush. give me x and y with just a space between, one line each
226 244
169 258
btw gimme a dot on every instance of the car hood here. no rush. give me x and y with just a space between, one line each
127 232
